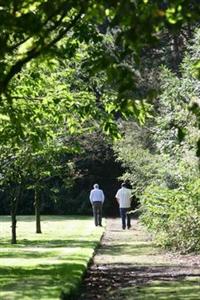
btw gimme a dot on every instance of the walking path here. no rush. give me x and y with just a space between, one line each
129 266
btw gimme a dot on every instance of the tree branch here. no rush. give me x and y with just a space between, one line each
35 52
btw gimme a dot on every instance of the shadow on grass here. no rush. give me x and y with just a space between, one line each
47 266
188 288
23 250
71 243
139 248
48 218
129 282
43 282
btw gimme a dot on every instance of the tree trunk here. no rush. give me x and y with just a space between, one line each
176 52
189 31
13 226
15 197
37 212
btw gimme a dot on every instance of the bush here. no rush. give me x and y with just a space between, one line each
173 216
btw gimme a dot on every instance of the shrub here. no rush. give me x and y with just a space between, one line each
173 216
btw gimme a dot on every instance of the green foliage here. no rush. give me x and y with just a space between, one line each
174 215
71 67
142 167
42 29
161 161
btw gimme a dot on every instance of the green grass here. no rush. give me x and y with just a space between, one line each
44 266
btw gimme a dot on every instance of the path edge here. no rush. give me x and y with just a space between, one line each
74 293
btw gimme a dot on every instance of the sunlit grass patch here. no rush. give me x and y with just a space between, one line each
42 266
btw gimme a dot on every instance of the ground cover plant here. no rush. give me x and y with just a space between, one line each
48 265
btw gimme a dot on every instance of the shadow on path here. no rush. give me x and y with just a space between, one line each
129 266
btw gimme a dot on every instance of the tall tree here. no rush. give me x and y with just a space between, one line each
161 158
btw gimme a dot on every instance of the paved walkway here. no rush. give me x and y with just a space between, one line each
127 259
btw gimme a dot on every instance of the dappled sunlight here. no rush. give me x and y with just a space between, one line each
187 289
128 265
41 281
56 232
131 247
44 266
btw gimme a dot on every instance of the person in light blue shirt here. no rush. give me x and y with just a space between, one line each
97 200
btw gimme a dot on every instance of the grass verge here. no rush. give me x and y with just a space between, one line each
48 265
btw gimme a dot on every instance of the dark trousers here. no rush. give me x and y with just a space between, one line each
126 219
97 212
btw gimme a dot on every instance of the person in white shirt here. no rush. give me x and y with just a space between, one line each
123 197
97 200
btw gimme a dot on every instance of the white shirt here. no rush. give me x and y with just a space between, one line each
96 195
124 197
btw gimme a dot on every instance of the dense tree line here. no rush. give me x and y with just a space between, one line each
162 157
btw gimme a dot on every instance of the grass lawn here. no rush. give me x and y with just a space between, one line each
48 265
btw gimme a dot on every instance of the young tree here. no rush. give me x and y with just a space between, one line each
13 180
46 165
